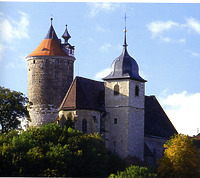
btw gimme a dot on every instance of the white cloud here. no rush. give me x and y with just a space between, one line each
170 40
166 39
11 29
105 47
102 74
183 109
193 24
158 27
182 40
97 7
100 29
193 53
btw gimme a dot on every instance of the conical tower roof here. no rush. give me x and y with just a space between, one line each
50 45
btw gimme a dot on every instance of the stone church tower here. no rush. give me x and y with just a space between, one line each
124 104
50 74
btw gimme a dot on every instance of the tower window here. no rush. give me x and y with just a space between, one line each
95 119
136 90
116 89
115 120
84 126
114 146
33 61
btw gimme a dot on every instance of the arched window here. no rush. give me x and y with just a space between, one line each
136 90
116 89
84 126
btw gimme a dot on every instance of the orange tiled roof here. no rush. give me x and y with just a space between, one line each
48 47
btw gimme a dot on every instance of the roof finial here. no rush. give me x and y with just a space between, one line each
125 45
51 20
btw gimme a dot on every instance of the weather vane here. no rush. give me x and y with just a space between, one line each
125 21
125 45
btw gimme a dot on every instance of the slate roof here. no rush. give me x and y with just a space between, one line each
89 94
156 121
66 35
84 94
50 46
124 66
51 34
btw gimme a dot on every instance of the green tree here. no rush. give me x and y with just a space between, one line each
180 158
69 121
12 109
134 172
54 151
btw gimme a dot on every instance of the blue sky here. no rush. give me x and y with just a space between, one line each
163 38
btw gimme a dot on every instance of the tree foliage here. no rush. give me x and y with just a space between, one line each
180 158
12 109
54 151
134 172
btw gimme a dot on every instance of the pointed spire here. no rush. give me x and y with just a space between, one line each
66 35
125 45
51 34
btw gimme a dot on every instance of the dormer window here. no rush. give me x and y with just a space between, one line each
136 90
116 89
44 49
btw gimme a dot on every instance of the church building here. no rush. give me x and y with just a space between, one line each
131 123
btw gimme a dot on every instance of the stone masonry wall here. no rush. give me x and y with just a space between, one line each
126 137
155 144
92 117
48 81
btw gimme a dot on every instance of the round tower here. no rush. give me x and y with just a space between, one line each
50 74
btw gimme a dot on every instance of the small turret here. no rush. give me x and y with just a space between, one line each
66 35
68 48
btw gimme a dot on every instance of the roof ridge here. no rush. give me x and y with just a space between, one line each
67 94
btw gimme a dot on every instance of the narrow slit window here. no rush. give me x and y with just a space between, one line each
95 119
84 126
114 146
136 90
115 120
116 89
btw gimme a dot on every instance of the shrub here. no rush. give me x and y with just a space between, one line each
134 172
